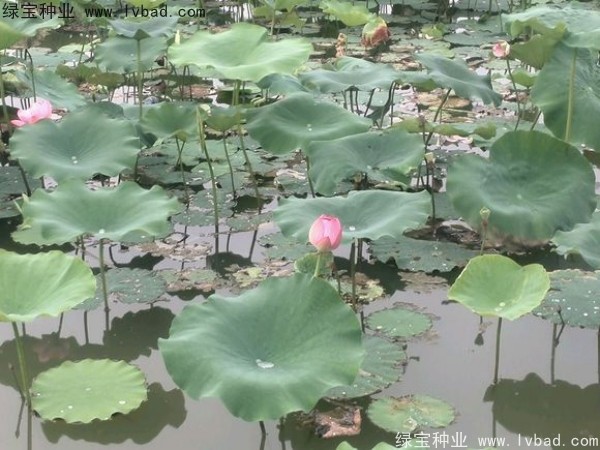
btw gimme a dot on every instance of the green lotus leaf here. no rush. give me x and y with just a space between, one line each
282 84
551 93
81 145
119 54
389 155
88 390
456 75
410 413
363 214
420 255
400 321
12 31
494 285
308 263
286 343
52 87
223 119
572 299
170 119
242 53
145 28
44 284
583 239
378 370
345 76
349 14
533 184
117 213
300 119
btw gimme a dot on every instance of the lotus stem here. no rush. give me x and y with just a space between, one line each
31 70
2 97
353 273
310 183
24 175
516 93
437 114
263 430
103 277
553 354
210 170
318 266
229 164
22 365
497 364
180 164
140 80
571 103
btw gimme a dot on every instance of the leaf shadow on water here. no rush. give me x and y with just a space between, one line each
533 408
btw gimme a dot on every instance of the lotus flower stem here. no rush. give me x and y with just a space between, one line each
437 114
31 70
353 273
516 92
318 266
22 365
570 106
210 170
497 363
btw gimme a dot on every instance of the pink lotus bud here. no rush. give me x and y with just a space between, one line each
42 109
375 32
501 49
325 233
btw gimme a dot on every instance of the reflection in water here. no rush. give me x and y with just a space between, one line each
141 426
533 408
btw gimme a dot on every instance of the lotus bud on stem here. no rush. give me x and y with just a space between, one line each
325 235
484 213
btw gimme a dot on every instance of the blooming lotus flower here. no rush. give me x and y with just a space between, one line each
42 109
501 49
325 233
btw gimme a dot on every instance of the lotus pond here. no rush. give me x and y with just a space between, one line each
299 225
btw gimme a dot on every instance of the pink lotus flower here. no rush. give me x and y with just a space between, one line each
42 109
501 49
325 233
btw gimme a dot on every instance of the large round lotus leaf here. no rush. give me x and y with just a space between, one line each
349 14
494 285
300 119
244 52
81 145
119 54
72 210
551 93
389 155
399 322
52 87
12 31
572 299
363 214
533 184
457 76
347 75
87 390
420 255
148 27
170 119
410 413
583 239
275 349
42 284
379 369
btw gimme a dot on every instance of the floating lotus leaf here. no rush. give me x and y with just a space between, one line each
572 299
277 246
420 255
347 75
300 119
363 214
88 390
379 369
244 52
44 284
533 184
583 239
74 148
551 93
108 213
390 155
119 54
275 349
351 15
170 119
12 31
145 28
410 413
494 285
457 76
399 322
